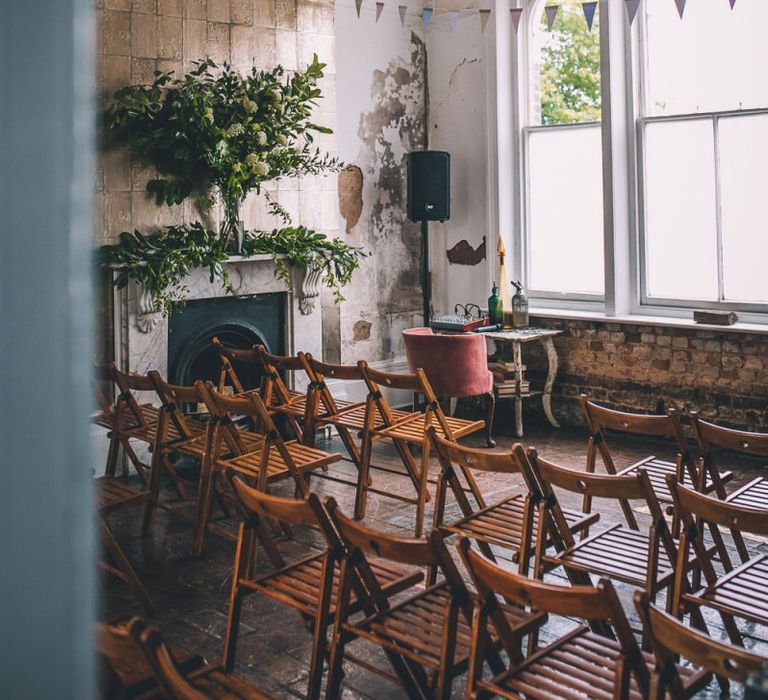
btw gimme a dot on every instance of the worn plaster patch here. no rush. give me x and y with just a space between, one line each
464 254
361 331
351 195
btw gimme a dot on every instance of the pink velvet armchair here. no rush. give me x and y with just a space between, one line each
455 365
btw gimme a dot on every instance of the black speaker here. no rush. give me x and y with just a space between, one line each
429 186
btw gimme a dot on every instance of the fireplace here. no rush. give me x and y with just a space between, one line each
238 322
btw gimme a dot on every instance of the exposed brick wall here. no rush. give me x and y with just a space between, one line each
724 375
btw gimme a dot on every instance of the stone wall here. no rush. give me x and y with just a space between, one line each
722 374
137 37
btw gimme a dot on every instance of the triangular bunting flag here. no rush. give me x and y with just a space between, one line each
632 6
551 11
733 2
484 16
680 7
402 9
454 17
358 4
589 12
379 8
427 16
516 13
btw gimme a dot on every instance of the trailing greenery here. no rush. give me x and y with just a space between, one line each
161 261
214 128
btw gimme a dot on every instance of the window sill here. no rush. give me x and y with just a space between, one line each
643 320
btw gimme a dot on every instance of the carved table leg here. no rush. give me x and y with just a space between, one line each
490 412
518 362
546 399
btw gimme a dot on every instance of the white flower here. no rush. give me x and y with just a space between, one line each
261 138
282 139
251 160
235 130
261 169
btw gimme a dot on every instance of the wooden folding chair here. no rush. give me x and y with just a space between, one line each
228 376
405 431
123 669
671 639
207 683
581 663
113 495
509 523
754 494
310 584
429 631
642 559
737 593
263 457
599 419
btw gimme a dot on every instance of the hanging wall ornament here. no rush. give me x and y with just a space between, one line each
484 16
402 10
379 8
358 5
631 6
516 13
427 16
453 15
551 12
680 7
589 12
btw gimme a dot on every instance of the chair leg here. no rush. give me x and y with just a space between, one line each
422 495
124 565
242 561
490 412
363 480
204 498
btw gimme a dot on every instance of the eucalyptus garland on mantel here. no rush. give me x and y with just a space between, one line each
160 262
216 132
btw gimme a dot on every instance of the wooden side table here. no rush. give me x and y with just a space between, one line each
517 338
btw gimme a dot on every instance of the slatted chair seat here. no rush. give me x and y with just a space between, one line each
298 584
658 469
115 494
415 627
217 685
296 405
412 428
148 433
620 554
503 523
752 495
742 592
352 416
305 458
580 665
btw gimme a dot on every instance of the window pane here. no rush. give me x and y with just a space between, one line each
713 59
566 67
680 223
744 206
566 210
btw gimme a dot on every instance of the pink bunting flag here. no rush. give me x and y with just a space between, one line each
551 12
453 15
358 5
484 16
516 13
402 10
589 12
680 7
733 2
427 16
631 6
379 8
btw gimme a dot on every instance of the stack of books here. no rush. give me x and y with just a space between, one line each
505 378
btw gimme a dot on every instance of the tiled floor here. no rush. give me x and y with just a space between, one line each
191 593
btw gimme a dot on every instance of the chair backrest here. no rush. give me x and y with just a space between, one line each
229 355
274 387
455 365
127 408
163 665
173 398
712 436
592 603
669 637
317 372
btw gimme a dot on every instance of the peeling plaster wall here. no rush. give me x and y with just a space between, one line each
381 78
462 122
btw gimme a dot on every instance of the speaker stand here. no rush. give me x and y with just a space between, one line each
426 282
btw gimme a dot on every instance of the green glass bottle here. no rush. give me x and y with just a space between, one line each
495 310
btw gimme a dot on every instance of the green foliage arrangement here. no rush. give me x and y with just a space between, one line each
216 129
160 262
570 72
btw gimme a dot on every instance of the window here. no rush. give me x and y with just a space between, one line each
563 157
703 154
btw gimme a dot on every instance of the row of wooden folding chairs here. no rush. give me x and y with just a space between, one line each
371 420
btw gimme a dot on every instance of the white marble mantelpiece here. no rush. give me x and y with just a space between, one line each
141 339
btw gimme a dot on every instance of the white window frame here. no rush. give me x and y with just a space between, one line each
622 92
